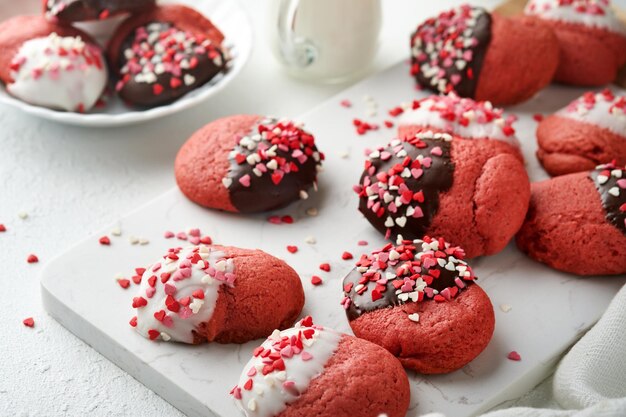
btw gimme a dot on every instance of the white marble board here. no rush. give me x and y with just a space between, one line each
550 310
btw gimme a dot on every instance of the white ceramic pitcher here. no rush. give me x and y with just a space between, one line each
325 40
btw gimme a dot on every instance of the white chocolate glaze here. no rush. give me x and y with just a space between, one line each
603 109
592 13
175 308
461 116
63 73
266 387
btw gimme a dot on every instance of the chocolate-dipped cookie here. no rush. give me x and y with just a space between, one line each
51 65
162 54
248 163
81 10
216 294
577 222
419 301
591 130
472 192
592 39
310 370
482 55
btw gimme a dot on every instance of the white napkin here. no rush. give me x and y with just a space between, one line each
590 381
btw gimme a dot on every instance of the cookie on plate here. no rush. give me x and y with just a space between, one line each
591 130
591 38
51 65
577 222
81 10
310 370
472 192
164 53
419 301
463 117
248 163
483 55
216 294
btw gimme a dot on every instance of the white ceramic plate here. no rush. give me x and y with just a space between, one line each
227 15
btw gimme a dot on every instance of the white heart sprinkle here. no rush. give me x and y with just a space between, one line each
401 221
414 317
227 182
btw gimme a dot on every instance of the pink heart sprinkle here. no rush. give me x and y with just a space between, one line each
245 180
621 183
416 173
306 356
252 371
170 289
436 151
150 292
167 321
185 313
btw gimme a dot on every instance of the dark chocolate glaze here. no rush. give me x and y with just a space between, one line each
81 10
363 303
471 73
436 179
263 194
615 207
142 94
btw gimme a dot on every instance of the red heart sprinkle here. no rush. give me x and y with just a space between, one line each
2 228
29 322
159 315
153 334
136 279
139 302
185 301
277 178
104 240
292 249
514 356
248 385
315 280
133 321
175 82
198 294
346 256
157 89
32 259
123 282
325 267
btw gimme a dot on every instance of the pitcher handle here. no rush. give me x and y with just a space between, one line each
295 50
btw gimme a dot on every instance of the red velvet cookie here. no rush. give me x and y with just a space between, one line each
162 54
314 371
591 130
419 301
591 38
484 56
51 65
81 10
472 192
577 222
216 294
248 164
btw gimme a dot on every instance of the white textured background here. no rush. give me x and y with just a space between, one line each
73 181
